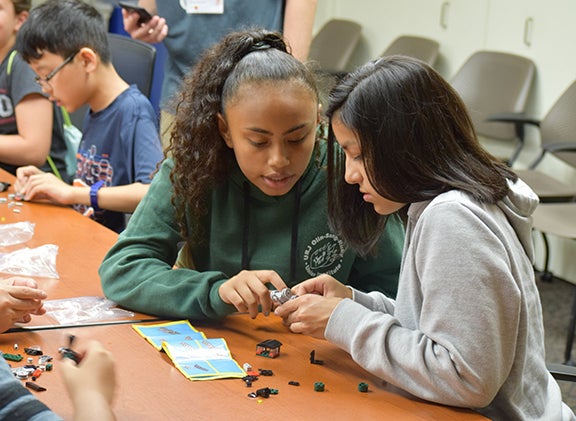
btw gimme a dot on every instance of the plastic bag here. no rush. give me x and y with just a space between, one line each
84 309
39 261
16 233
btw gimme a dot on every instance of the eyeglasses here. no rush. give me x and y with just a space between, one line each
46 80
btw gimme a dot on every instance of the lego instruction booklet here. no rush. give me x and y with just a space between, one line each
197 357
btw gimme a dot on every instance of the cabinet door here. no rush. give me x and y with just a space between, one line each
542 31
461 30
458 25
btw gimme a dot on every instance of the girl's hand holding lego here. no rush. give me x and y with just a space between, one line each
91 383
324 285
19 299
153 31
308 314
34 184
247 290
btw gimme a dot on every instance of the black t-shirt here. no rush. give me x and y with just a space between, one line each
15 84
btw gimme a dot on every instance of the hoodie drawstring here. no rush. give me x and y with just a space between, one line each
294 239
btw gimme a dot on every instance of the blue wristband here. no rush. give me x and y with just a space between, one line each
94 194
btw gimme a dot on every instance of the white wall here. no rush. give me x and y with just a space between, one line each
542 31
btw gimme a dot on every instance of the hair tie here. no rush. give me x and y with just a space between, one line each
260 45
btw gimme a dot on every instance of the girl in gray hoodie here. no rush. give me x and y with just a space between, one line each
466 326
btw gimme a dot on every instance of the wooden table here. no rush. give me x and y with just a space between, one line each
151 388
82 244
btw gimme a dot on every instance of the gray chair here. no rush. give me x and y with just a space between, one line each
133 60
562 372
558 219
558 138
491 83
424 49
333 45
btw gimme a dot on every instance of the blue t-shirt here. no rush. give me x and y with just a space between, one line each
190 34
120 145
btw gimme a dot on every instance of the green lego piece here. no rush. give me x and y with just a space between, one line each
12 357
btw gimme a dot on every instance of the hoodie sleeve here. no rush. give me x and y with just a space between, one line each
452 334
137 272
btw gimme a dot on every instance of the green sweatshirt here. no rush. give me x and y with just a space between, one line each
271 232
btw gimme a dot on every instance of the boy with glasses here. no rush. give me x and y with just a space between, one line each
67 46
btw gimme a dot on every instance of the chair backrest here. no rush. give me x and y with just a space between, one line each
493 82
424 49
334 44
559 124
133 60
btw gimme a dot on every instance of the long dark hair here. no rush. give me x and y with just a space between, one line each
201 158
417 141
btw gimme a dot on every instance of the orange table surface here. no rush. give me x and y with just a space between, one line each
150 387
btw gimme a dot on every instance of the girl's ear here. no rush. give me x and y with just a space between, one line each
88 59
224 130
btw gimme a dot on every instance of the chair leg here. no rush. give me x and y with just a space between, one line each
546 275
570 335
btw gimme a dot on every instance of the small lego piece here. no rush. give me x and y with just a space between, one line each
35 350
13 357
313 359
294 383
37 373
265 372
363 387
35 387
49 367
265 392
280 297
4 186
249 379
16 347
269 348
319 387
21 373
68 352
247 367
44 359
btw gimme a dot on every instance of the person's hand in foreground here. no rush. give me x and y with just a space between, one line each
91 382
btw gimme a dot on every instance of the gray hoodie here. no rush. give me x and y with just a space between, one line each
466 327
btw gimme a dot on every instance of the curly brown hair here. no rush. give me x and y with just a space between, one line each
201 158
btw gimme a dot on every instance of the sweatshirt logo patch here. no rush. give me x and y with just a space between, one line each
324 255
